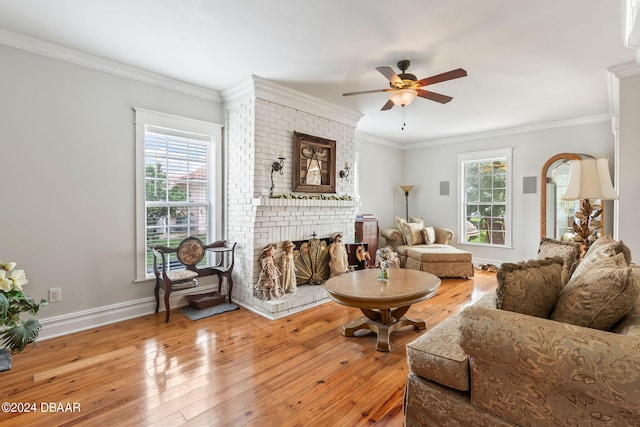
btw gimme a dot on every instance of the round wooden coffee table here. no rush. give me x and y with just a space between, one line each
383 303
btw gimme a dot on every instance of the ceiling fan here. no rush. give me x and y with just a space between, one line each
405 87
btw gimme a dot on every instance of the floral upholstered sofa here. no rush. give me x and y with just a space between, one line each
424 248
544 349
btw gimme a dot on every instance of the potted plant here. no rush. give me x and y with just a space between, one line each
15 333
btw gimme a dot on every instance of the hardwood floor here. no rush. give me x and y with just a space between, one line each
233 369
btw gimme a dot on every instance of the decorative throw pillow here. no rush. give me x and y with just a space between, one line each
599 297
599 250
429 235
416 220
530 287
413 233
568 251
604 240
617 245
400 222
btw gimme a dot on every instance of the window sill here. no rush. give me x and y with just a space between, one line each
485 245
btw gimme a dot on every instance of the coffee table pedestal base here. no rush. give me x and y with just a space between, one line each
383 322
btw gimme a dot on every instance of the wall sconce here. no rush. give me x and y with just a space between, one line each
276 167
344 174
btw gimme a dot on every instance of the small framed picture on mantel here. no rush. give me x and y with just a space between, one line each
314 164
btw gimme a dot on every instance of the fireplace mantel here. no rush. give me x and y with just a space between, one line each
267 201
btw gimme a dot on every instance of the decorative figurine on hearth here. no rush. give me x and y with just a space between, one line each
363 257
339 263
268 286
289 283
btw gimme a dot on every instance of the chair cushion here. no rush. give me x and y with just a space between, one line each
569 251
530 287
438 253
181 275
599 297
436 355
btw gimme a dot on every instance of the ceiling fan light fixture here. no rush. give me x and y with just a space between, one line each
403 97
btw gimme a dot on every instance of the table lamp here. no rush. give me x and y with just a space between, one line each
589 179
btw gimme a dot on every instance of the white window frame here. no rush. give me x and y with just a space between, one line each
480 156
146 118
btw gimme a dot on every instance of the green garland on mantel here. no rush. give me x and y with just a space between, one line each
310 197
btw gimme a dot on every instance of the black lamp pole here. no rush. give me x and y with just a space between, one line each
406 189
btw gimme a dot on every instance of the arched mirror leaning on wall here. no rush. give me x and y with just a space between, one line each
557 215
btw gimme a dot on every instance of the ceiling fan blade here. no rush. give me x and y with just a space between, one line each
449 75
389 74
442 99
366 91
387 106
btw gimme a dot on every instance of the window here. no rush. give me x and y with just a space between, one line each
485 202
178 183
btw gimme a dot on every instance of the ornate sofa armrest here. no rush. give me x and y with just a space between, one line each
565 361
443 235
393 236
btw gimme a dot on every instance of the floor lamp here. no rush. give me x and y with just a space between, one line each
406 189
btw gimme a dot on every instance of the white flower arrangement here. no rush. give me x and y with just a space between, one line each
15 333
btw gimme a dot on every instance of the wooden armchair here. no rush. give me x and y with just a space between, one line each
189 253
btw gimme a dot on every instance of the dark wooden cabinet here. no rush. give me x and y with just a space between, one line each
367 232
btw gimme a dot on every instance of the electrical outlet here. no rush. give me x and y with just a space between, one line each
55 294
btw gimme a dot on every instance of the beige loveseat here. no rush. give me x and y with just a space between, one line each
493 367
427 249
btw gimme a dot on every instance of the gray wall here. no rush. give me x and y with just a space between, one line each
384 168
426 167
381 173
68 151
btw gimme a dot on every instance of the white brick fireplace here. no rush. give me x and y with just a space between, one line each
261 119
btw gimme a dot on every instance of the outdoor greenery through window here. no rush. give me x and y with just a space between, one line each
486 202
177 190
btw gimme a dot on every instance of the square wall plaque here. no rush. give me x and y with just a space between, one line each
444 188
529 184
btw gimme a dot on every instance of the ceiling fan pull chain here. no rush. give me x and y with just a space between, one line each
404 121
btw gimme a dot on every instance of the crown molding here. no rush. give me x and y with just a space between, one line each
627 69
366 138
511 131
33 45
259 87
238 92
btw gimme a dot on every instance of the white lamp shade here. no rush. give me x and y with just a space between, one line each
403 97
590 179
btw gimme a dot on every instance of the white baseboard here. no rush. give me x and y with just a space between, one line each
81 320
